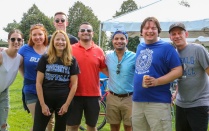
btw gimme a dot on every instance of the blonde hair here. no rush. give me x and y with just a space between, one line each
66 57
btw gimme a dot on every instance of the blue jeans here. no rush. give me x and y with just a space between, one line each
4 108
30 98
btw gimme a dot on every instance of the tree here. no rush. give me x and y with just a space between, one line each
80 13
11 26
184 3
33 16
128 6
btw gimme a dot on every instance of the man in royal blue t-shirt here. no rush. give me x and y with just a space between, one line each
151 104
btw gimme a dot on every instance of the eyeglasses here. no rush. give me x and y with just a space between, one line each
58 20
14 39
118 69
87 30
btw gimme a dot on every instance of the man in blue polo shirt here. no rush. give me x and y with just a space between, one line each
121 65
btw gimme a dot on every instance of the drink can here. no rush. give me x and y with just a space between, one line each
143 82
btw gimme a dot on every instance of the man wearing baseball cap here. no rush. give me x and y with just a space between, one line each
121 65
192 101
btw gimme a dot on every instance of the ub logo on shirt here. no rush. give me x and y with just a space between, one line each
34 59
143 61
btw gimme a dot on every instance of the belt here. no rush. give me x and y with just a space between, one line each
121 95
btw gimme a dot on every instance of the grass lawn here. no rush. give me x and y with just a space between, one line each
19 119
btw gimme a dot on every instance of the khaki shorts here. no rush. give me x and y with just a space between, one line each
118 109
148 116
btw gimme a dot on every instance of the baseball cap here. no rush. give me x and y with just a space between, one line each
120 32
177 24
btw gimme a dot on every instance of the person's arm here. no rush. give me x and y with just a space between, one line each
174 93
169 77
21 68
207 71
73 88
3 48
39 89
1 58
105 71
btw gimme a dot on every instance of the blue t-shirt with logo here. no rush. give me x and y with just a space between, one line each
156 60
30 61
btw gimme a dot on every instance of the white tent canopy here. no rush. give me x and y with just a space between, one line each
196 19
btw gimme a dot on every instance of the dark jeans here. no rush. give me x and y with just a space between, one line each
54 104
192 119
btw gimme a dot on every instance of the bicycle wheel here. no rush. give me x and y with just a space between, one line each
101 118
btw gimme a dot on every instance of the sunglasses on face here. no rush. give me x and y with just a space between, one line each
85 30
58 20
118 69
14 39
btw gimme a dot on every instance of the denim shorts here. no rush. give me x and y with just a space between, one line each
4 107
30 98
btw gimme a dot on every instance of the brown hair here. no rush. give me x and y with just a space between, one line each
67 52
153 19
41 27
15 31
60 13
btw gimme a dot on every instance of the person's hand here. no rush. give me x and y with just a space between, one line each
63 109
151 81
2 48
45 110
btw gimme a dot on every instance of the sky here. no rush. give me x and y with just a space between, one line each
103 9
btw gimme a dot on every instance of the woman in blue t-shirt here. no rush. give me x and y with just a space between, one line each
31 53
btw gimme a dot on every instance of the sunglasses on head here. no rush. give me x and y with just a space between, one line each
118 69
34 25
86 30
18 39
58 20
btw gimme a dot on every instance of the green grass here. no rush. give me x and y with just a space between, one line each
19 119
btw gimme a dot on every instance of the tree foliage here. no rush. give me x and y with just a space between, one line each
80 13
128 6
35 16
184 3
11 26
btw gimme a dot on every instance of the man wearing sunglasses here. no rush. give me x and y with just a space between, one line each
121 65
91 61
61 23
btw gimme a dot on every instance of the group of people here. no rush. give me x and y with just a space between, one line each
61 78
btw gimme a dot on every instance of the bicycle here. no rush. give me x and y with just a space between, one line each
102 113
